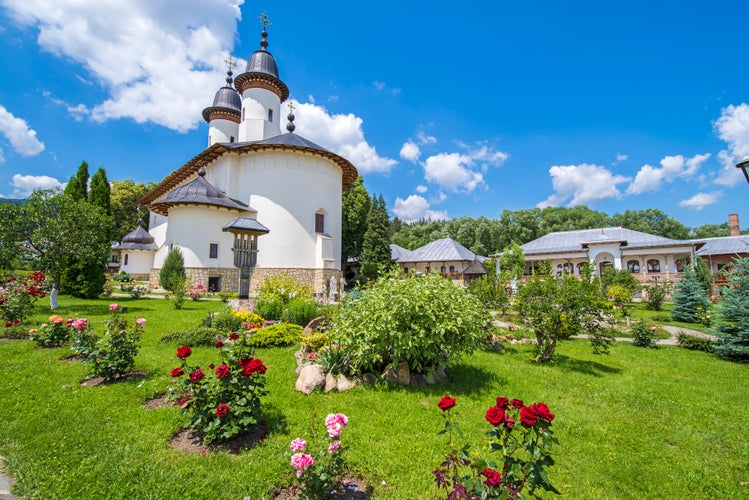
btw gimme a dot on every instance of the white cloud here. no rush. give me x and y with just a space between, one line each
426 139
378 84
583 183
620 157
21 138
701 200
733 128
311 98
650 179
459 171
340 133
415 207
158 63
421 189
26 184
410 151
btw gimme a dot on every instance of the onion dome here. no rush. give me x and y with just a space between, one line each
197 192
227 103
139 239
261 71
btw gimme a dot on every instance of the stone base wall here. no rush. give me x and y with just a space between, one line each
141 277
229 277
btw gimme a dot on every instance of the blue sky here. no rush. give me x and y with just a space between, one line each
447 110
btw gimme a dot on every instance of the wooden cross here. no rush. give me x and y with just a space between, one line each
264 19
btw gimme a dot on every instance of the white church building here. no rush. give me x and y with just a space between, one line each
256 202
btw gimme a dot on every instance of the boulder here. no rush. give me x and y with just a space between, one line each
418 380
310 378
369 378
344 384
390 375
301 367
314 325
403 373
330 382
300 357
439 374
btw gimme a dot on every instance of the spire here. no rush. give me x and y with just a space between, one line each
291 127
230 64
266 22
261 70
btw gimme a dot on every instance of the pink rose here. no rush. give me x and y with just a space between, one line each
334 446
141 321
298 444
113 307
301 461
335 422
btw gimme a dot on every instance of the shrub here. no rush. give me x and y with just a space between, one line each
644 336
225 296
689 298
424 320
18 296
172 270
490 290
225 401
249 319
314 341
621 277
695 343
621 296
301 311
661 318
135 291
53 334
284 288
656 295
179 291
112 355
271 309
334 360
226 321
201 336
280 335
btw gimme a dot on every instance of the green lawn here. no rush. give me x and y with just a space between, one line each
637 423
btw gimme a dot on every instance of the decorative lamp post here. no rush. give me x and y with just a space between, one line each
744 166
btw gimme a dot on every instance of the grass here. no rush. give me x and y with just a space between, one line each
637 423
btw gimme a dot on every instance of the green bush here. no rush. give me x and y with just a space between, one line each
695 343
644 336
424 320
270 309
301 311
226 321
201 336
621 277
656 295
334 360
314 341
173 268
113 354
284 288
280 335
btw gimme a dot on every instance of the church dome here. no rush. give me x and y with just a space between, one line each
197 192
139 239
262 61
227 103
262 72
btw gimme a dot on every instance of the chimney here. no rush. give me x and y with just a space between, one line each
733 224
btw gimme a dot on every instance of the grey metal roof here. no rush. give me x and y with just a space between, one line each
246 224
136 240
726 245
397 252
578 240
197 192
446 249
475 267
227 100
287 139
262 61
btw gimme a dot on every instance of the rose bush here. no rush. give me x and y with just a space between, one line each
17 297
224 400
53 334
521 433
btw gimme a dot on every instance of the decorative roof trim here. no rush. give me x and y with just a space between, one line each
265 81
215 151
213 113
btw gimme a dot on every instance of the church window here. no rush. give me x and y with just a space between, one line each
452 269
633 266
319 222
654 266
270 115
125 259
231 138
242 114
214 284
213 251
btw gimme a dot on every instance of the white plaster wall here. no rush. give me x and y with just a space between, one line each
157 228
138 261
614 250
221 130
255 105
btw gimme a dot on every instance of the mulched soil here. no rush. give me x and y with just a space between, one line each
191 441
158 402
97 381
356 489
70 359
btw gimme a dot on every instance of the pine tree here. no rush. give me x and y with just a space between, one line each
703 274
77 187
733 318
100 193
690 299
355 209
376 251
172 270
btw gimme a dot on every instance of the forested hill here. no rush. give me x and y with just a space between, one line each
12 201
486 236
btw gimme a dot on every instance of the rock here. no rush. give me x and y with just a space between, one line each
310 378
404 374
301 367
369 378
314 325
344 384
390 375
418 380
300 357
330 382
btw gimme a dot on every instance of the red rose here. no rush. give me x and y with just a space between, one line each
446 403
495 415
493 478
196 375
219 344
184 400
222 410
233 336
528 416
509 422
177 372
222 370
253 366
543 411
517 403
8 324
503 402
184 351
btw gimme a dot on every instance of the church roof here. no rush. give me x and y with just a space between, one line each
262 72
226 101
446 249
197 192
245 224
579 240
139 239
281 142
475 267
726 245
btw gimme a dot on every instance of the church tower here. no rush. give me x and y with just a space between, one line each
223 117
262 93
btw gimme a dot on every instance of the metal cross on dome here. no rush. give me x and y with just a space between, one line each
230 62
264 19
291 106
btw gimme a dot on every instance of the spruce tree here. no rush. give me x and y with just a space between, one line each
77 187
172 270
376 246
100 193
733 316
690 299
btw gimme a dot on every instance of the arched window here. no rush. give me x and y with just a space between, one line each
270 115
452 269
679 265
125 260
580 266
633 266
442 270
568 268
654 266
320 221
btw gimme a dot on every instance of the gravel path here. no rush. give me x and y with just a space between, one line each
5 482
